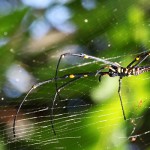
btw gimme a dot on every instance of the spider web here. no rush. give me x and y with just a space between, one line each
87 113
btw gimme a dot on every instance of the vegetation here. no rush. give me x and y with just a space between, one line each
115 30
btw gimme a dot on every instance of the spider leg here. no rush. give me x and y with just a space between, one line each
119 93
102 68
54 100
33 87
15 118
139 59
56 75
99 79
102 74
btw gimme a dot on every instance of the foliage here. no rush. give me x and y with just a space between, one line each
111 29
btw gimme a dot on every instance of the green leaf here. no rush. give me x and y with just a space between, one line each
11 22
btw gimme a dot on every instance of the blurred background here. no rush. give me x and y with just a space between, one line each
87 113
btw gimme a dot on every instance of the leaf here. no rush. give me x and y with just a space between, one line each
10 22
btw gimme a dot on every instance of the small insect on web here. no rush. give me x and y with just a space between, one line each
114 69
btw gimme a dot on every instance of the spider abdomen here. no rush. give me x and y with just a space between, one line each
138 70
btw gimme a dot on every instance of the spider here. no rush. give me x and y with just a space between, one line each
114 69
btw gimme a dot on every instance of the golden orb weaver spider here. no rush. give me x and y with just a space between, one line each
114 69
